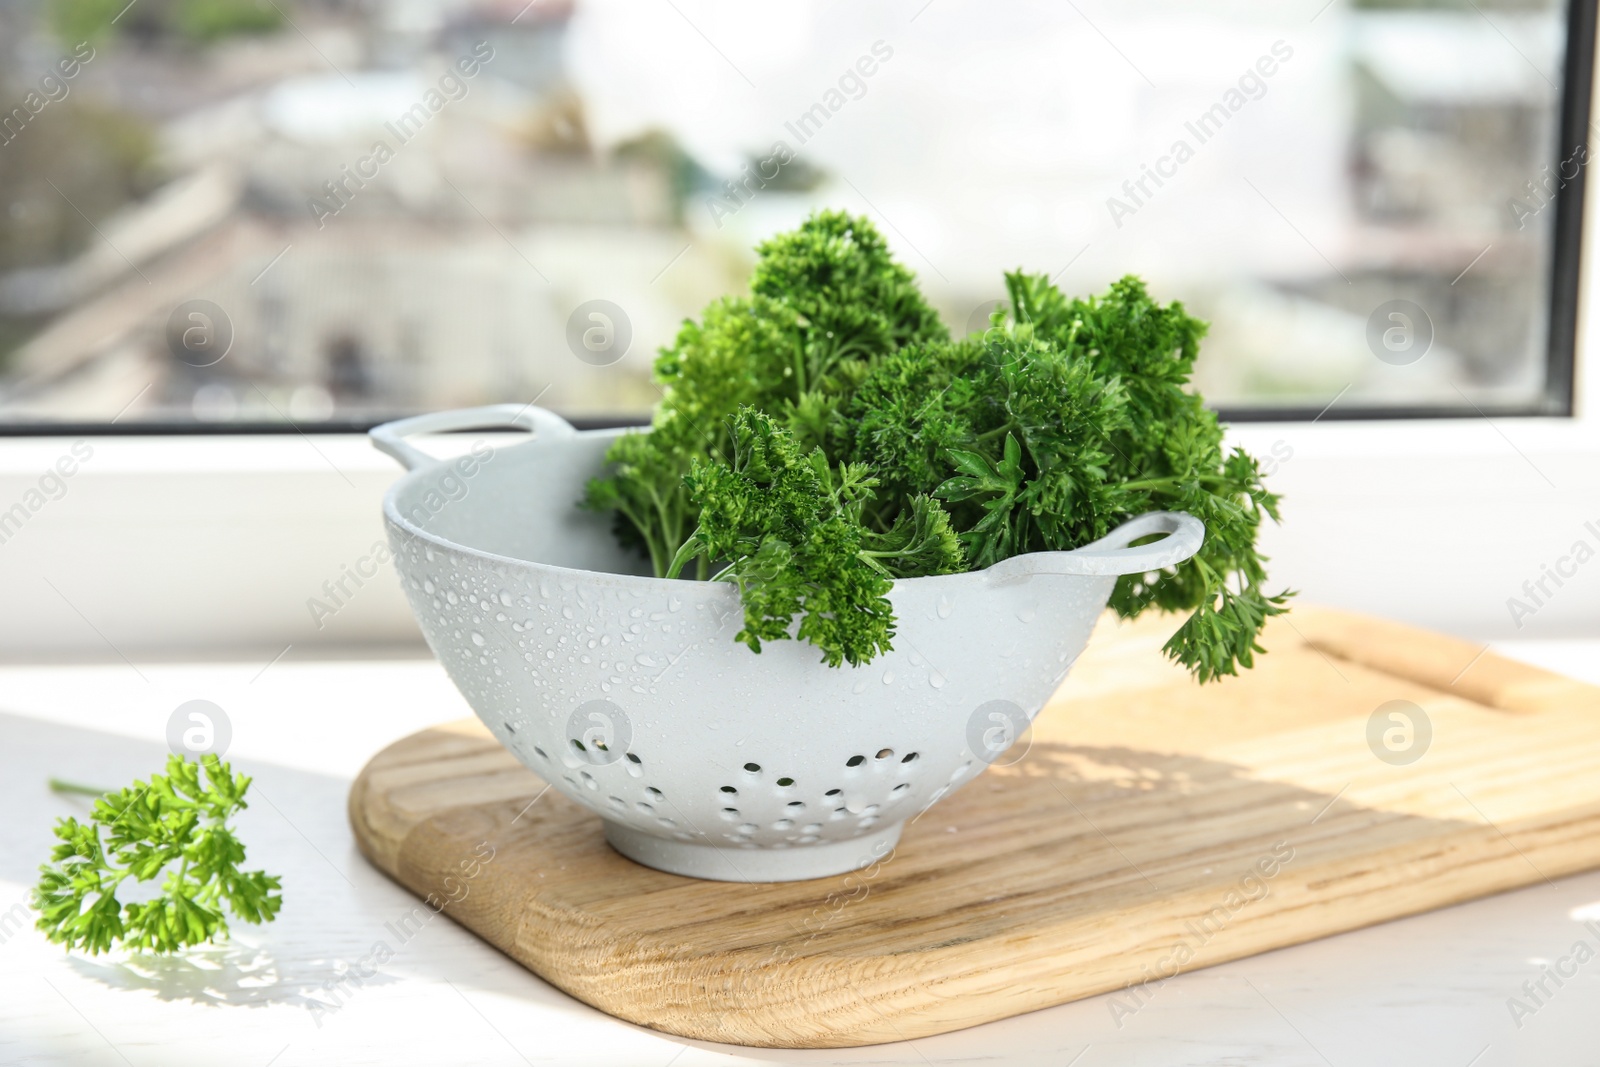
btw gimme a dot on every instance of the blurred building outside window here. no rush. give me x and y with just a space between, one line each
322 213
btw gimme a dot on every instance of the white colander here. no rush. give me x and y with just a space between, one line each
629 694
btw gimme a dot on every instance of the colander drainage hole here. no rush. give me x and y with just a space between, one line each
634 759
908 757
618 803
748 828
541 752
901 788
730 790
509 728
653 791
885 753
664 821
795 805
647 809
853 761
588 780
785 783
831 793
730 813
753 768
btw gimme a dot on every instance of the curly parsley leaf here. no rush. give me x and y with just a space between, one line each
1167 455
867 446
825 302
174 828
786 527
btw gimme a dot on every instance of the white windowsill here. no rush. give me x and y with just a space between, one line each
1428 989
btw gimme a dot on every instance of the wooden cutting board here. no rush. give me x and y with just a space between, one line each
1153 827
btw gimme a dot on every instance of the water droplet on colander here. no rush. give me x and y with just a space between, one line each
1027 613
936 680
944 607
450 597
859 687
566 613
477 639
428 586
673 603
505 597
644 660
888 677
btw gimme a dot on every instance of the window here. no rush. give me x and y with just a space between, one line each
225 214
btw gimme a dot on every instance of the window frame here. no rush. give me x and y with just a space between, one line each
1558 398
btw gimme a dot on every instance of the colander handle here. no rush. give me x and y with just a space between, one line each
1111 555
390 437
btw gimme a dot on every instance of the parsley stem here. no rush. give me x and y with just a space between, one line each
1175 480
684 554
989 435
57 785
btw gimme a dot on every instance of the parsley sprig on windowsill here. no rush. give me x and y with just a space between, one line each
825 435
175 828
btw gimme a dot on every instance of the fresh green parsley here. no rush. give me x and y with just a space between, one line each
825 435
175 828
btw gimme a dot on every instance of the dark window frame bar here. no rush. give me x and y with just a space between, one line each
1560 362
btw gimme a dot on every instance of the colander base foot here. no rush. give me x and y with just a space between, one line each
732 864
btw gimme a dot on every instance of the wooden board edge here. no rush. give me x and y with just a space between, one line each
1509 869
1439 661
381 851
